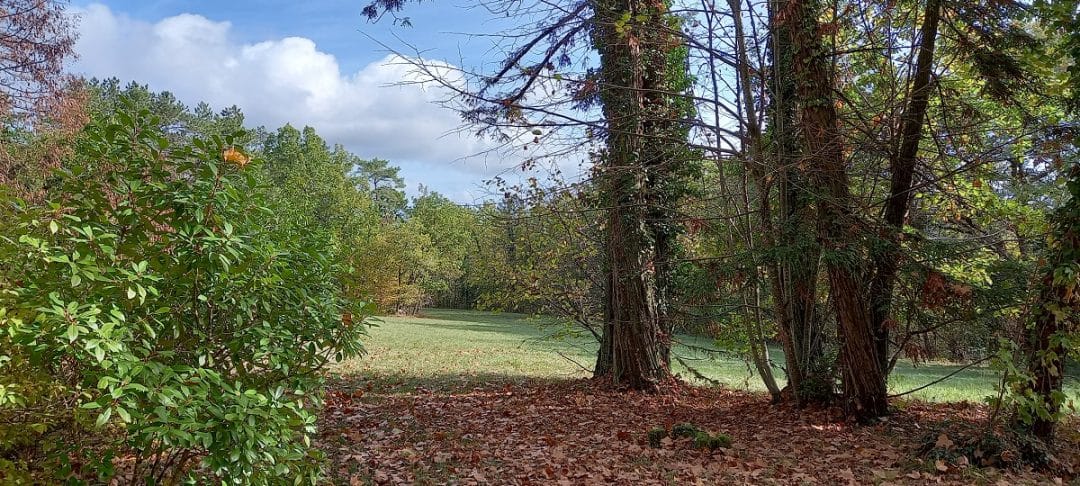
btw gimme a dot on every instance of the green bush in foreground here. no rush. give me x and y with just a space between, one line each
154 331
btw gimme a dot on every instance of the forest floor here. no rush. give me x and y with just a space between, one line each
456 413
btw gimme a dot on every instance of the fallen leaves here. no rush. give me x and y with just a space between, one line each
571 432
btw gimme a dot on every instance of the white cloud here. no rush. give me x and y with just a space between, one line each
286 80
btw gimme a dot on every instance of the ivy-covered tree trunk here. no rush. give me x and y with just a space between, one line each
795 273
1055 332
822 152
902 167
642 80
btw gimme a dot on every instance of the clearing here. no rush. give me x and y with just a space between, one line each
465 397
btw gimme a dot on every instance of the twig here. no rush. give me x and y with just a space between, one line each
697 374
943 378
997 403
707 350
579 365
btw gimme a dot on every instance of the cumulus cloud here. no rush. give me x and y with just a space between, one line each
287 80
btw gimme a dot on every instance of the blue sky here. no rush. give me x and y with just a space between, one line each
306 63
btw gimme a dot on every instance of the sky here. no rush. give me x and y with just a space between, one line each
317 63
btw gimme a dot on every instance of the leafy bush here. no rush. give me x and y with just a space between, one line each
177 336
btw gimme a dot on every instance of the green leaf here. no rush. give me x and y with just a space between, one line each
104 417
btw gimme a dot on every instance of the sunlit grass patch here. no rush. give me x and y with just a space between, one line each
452 349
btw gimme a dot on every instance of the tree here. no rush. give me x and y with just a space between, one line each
316 188
41 106
863 376
383 183
1054 334
176 119
642 78
902 169
36 38
641 87
451 229
540 252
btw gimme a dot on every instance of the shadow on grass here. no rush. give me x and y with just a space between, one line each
498 318
386 383
513 326
463 349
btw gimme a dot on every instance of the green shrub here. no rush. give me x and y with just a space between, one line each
176 332
704 440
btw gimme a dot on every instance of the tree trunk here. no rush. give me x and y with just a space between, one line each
636 354
795 274
646 139
752 150
887 258
604 363
1046 358
759 348
862 376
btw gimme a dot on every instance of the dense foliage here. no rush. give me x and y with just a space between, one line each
151 310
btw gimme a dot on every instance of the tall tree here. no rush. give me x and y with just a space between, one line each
902 166
796 270
640 86
838 227
642 91
1054 334
41 107
36 38
382 181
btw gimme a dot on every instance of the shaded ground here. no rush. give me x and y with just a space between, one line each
568 432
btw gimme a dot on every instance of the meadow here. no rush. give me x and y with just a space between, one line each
448 349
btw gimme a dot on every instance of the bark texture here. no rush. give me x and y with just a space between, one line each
822 152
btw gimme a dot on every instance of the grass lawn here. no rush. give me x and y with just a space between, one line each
447 348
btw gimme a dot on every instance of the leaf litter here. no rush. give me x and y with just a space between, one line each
577 432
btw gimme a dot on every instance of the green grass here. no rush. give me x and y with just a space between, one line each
451 347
